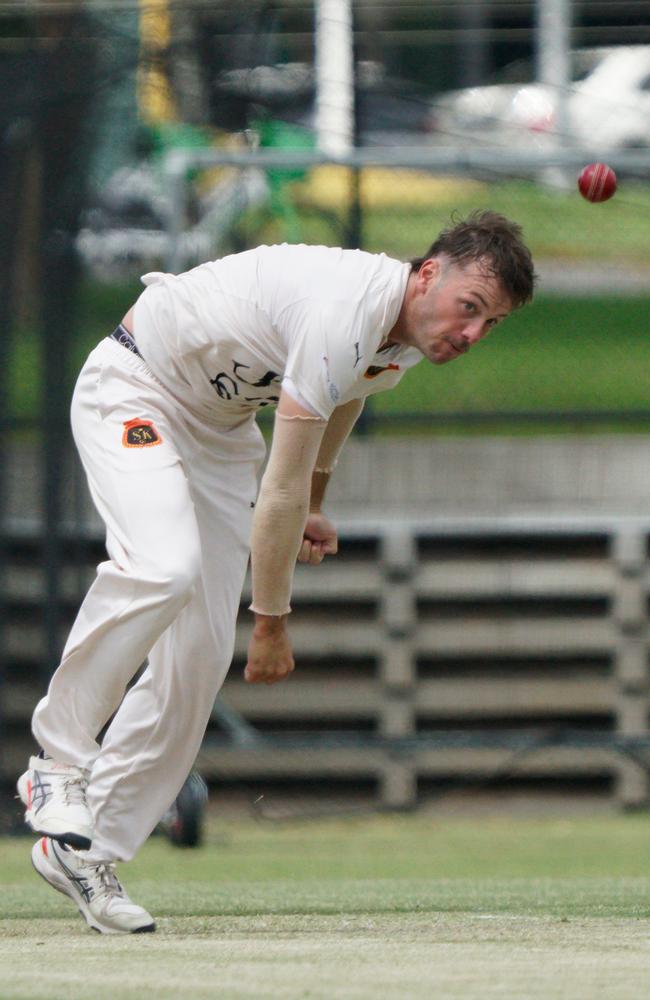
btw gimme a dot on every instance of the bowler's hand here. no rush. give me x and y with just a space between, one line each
270 656
319 540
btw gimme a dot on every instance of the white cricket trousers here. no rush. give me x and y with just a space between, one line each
176 496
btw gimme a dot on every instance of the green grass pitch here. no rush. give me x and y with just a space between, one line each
376 907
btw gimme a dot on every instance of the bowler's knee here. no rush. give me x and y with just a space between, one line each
176 576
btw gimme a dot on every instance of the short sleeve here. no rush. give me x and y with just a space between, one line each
155 277
327 350
347 304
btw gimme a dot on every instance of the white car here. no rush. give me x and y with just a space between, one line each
607 105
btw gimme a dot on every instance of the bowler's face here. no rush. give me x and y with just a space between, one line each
450 307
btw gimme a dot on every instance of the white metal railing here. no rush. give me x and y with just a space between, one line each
444 159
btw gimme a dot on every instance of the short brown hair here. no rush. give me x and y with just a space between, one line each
488 236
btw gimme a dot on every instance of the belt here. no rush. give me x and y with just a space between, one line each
123 337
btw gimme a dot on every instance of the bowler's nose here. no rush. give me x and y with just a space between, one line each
474 331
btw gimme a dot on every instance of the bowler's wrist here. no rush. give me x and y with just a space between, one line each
269 624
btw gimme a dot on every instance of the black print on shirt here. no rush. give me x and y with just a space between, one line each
224 386
229 386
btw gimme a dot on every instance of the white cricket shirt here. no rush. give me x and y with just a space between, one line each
224 336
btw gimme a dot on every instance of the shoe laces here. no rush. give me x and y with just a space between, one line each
74 790
109 884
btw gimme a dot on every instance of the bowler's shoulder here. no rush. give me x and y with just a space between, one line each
332 255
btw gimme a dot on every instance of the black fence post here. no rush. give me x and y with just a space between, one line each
65 100
14 139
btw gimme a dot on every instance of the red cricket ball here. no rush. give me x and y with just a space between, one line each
597 182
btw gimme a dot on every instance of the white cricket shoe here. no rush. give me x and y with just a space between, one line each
54 796
93 887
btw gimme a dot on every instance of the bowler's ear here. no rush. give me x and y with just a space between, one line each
429 271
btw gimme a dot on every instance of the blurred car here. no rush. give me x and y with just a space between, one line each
389 111
607 105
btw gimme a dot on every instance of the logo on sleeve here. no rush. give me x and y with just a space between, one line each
332 387
140 434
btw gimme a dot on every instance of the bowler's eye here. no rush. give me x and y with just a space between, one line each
469 307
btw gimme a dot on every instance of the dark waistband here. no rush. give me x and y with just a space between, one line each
123 337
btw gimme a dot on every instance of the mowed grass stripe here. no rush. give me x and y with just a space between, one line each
387 906
418 956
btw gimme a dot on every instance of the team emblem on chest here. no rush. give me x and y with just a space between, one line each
140 433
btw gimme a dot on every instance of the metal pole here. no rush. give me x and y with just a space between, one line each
334 76
175 167
472 61
554 19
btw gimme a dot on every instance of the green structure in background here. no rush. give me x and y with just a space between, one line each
155 141
276 134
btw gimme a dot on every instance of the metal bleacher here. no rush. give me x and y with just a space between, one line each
458 648
445 649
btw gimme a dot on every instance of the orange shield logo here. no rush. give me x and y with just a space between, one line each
140 434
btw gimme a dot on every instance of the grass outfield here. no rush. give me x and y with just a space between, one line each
383 907
403 210
557 354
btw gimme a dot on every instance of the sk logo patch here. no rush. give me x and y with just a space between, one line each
374 370
140 434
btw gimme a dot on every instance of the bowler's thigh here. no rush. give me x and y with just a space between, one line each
129 437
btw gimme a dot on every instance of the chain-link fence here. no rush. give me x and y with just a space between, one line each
577 355
91 197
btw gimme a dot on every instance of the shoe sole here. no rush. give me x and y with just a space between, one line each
69 837
58 881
